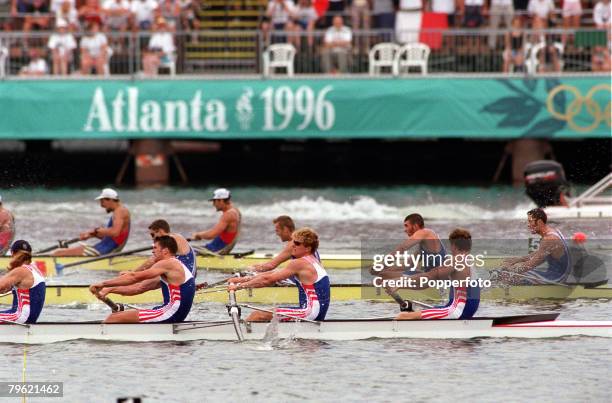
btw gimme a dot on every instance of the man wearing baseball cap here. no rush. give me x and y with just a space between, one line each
7 228
225 233
26 283
112 238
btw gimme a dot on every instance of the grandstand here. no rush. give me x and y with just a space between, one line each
228 37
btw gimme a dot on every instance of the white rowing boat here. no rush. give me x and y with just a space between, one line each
525 326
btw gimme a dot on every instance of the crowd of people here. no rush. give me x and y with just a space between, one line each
91 31
96 29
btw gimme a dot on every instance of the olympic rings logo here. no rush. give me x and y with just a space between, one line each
575 107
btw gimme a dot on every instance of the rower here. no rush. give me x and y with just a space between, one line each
225 233
185 255
430 253
26 283
553 250
7 228
284 227
113 237
463 300
305 271
175 277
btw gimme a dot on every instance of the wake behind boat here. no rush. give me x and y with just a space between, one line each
525 326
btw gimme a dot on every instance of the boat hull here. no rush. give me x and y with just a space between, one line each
328 330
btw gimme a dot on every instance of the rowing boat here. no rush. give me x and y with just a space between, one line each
48 264
79 294
525 326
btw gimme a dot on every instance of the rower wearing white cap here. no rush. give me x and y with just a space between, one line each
113 237
225 233
27 285
7 228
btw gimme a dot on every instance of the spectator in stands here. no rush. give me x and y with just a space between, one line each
304 19
91 12
337 47
473 13
360 14
445 7
408 21
62 45
278 18
160 49
37 66
38 16
549 58
94 50
57 4
190 22
540 11
514 53
67 13
117 13
601 59
143 11
336 7
572 10
500 11
384 14
170 10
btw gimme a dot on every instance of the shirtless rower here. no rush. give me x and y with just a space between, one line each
26 283
185 255
113 237
553 250
306 272
225 233
7 228
175 277
430 250
284 227
463 300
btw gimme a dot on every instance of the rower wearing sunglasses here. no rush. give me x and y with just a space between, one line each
305 271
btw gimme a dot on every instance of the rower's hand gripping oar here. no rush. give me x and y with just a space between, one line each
234 311
61 243
60 267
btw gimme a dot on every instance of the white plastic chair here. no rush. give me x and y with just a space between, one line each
169 63
382 55
532 57
411 55
278 55
3 57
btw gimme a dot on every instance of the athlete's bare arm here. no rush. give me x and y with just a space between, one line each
121 217
548 246
222 225
14 278
269 278
282 257
134 289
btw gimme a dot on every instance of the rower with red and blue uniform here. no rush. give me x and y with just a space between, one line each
27 285
463 300
305 271
224 235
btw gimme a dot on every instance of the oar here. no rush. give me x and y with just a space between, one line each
205 284
60 267
61 244
406 304
6 294
234 312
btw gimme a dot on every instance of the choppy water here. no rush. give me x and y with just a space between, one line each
569 369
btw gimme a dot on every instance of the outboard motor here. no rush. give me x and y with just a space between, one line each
545 182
